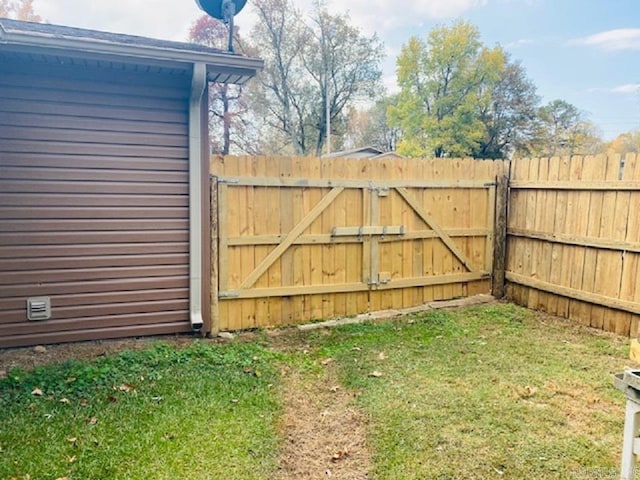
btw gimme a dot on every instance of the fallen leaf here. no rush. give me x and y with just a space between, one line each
84 402
125 387
334 389
40 349
65 401
156 399
70 379
247 370
71 439
375 374
62 478
339 455
92 420
48 416
112 399
326 361
356 349
37 392
382 356
71 459
258 373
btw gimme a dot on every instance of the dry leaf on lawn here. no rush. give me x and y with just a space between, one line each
375 374
37 392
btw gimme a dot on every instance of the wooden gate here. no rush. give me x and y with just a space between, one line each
300 239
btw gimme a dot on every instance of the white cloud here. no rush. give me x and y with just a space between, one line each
519 43
627 88
171 20
152 18
383 15
619 39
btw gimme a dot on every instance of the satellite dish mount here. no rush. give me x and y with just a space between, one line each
224 10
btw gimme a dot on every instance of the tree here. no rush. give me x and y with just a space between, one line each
19 10
371 127
230 127
312 67
628 142
510 117
444 84
563 130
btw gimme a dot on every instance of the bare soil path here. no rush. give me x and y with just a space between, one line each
325 434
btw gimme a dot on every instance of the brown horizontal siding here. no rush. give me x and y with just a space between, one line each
65 238
78 335
103 286
97 225
17 303
137 318
92 161
88 123
71 148
63 200
95 98
92 175
75 274
93 201
46 83
64 187
91 136
99 112
54 263
59 213
101 310
90 250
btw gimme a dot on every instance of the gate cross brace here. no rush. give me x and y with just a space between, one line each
291 237
446 239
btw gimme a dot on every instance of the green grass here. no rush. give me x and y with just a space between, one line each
484 393
481 393
203 412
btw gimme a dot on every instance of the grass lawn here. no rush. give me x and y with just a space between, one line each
207 411
484 393
479 393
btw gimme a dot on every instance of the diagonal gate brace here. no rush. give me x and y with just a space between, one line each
291 237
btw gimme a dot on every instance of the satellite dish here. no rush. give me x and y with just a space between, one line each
223 10
216 8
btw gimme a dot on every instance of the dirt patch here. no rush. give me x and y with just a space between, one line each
30 357
325 434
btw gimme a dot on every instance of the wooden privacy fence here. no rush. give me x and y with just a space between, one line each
298 239
574 239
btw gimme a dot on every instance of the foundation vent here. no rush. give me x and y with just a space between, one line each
39 308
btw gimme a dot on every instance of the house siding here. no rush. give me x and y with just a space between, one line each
94 202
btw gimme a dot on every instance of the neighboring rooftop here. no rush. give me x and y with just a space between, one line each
364 152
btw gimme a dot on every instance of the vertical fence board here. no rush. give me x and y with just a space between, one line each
578 257
317 274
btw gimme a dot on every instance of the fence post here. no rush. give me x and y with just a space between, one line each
500 237
215 311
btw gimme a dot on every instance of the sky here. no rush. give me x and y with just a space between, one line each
586 52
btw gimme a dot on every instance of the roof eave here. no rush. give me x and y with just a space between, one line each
222 67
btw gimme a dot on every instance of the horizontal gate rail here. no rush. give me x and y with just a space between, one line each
371 184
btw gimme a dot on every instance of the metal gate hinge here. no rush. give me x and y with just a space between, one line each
228 294
228 180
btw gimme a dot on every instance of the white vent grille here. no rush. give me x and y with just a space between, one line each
39 308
